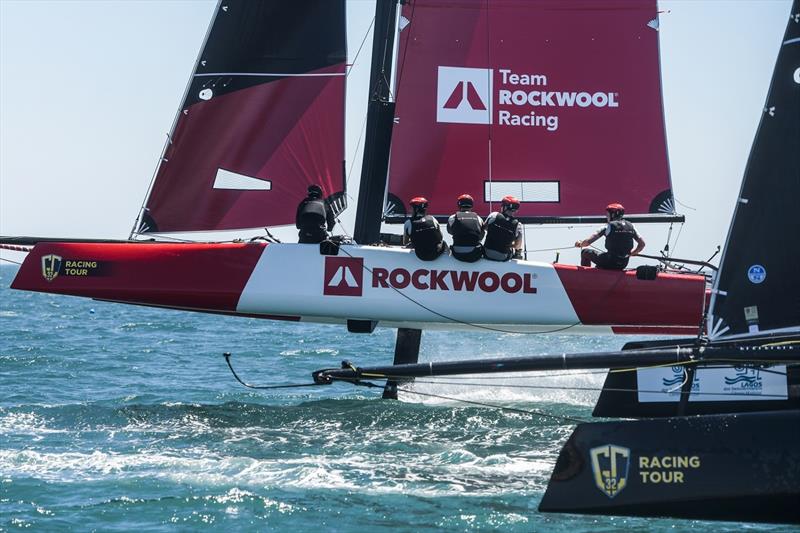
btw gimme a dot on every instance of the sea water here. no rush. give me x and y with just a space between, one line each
120 418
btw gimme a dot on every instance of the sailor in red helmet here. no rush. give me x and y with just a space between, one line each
503 232
314 217
619 234
422 231
466 227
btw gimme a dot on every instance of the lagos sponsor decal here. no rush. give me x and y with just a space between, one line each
715 384
507 98
610 465
53 266
756 274
344 276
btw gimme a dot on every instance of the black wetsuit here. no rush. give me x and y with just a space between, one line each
501 232
314 219
426 237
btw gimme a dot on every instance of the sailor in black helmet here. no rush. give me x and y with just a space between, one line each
314 217
466 227
422 231
619 234
503 232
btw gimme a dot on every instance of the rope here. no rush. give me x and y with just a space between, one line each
15 248
227 356
366 34
501 407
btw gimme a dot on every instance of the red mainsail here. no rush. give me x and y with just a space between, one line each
262 119
557 102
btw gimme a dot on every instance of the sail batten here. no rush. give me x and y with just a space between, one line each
559 102
262 119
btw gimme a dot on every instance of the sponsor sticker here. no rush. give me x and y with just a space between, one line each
344 276
610 466
724 384
464 95
51 264
756 274
54 265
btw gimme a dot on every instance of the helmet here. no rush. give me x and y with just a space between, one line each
315 191
510 203
465 200
615 210
419 203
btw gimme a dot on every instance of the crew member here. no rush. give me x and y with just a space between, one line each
503 232
314 217
619 234
466 227
422 231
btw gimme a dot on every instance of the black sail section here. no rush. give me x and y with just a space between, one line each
250 38
758 285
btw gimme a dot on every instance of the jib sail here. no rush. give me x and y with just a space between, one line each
757 289
557 102
263 118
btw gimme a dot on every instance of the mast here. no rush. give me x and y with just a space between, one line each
380 117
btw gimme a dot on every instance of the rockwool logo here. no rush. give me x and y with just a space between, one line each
464 95
344 276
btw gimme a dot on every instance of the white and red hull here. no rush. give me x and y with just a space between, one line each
387 285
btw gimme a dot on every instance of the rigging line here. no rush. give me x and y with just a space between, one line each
227 357
495 406
366 34
683 204
10 261
591 389
550 249
457 321
355 154
677 237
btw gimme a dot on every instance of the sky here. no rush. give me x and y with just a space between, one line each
89 91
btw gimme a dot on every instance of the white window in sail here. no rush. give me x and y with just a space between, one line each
525 191
226 179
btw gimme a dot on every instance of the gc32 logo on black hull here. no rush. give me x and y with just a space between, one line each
610 466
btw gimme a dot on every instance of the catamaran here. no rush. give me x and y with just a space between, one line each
719 414
566 130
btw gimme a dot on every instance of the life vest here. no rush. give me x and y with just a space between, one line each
619 240
311 219
467 229
426 238
501 234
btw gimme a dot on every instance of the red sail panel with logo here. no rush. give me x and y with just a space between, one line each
262 119
557 102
